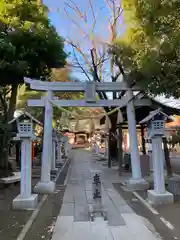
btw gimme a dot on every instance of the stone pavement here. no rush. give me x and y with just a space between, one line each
73 220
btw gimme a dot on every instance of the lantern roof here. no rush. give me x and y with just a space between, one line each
152 114
28 115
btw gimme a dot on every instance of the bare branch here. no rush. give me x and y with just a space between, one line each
83 16
75 23
93 14
109 4
102 95
94 62
76 9
117 75
78 49
102 60
80 66
98 45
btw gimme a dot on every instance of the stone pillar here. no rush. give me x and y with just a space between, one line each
136 182
46 185
26 200
150 161
159 194
59 152
53 160
96 192
158 163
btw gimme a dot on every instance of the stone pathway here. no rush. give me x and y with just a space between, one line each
73 220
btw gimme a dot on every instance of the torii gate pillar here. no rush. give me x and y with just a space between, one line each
136 182
45 185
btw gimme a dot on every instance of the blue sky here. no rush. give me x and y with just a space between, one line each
68 30
60 20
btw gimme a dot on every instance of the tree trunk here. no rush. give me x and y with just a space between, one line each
12 102
8 130
167 158
112 140
143 140
120 149
5 154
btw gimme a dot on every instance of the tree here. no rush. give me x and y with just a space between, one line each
93 32
64 75
29 46
150 46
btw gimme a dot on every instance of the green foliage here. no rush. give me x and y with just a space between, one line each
150 46
29 44
23 94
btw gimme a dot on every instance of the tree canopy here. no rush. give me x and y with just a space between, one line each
150 46
29 44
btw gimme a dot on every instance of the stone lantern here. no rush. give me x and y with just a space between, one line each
25 128
25 134
156 128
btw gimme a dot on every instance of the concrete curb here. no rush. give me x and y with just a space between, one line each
62 169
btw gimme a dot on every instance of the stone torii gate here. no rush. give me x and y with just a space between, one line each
89 88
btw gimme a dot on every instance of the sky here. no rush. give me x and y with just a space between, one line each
66 24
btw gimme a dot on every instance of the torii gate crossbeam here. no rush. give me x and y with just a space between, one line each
82 103
79 86
90 89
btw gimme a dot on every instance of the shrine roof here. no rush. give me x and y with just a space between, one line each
169 106
169 102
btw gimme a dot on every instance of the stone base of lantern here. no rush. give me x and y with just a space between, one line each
157 198
137 184
45 187
25 203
